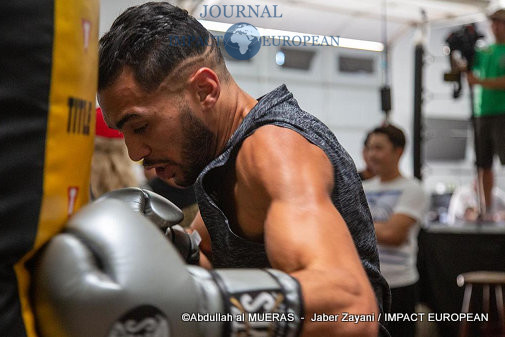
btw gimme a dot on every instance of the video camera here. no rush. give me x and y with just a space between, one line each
461 45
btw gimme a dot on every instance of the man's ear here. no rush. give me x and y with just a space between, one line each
206 87
398 151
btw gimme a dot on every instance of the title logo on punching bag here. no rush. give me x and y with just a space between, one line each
79 116
72 197
86 29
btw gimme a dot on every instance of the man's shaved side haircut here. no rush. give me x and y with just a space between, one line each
156 40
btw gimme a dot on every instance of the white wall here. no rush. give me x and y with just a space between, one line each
111 9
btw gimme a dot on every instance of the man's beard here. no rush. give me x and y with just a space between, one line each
197 147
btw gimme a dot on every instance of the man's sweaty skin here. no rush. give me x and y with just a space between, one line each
280 190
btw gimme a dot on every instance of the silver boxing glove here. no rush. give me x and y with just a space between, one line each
164 214
111 274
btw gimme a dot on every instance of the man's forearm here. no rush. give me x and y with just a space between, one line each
395 231
386 234
205 261
338 295
383 233
493 83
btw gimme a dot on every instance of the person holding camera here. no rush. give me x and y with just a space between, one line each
487 76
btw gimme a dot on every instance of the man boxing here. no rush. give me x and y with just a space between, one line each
274 186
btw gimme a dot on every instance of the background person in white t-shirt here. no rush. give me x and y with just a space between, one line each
398 205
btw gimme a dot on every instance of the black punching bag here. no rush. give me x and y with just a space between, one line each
48 79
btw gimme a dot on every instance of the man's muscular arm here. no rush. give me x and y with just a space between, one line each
304 233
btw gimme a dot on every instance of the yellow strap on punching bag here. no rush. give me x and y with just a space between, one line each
70 128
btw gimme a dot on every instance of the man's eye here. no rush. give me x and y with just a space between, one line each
140 130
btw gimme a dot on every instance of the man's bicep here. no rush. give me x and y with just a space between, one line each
312 235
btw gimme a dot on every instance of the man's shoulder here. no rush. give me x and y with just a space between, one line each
278 154
498 47
486 49
491 49
371 184
271 139
399 182
412 185
403 184
414 182
483 49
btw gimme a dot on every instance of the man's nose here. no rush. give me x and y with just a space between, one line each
372 156
137 149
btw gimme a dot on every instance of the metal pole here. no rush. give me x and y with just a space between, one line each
418 106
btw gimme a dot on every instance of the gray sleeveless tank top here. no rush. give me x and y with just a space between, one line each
281 109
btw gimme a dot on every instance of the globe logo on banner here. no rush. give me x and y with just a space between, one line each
242 41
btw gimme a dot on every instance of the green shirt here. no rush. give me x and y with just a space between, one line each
489 63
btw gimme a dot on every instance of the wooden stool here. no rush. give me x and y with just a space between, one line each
487 279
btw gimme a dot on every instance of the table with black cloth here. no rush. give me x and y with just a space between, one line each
444 253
